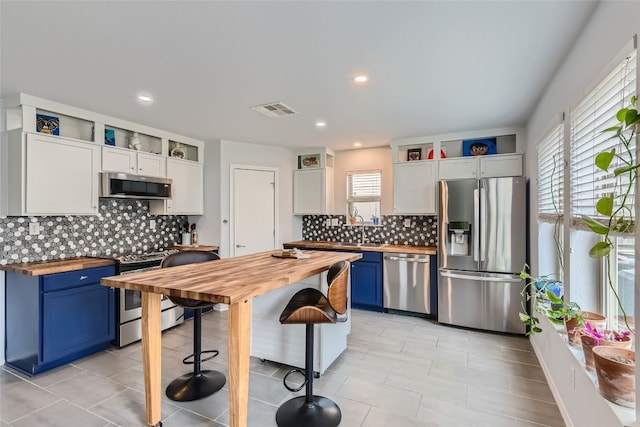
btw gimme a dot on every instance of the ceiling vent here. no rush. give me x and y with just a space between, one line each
274 109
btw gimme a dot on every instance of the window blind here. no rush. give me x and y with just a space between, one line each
597 112
551 175
364 186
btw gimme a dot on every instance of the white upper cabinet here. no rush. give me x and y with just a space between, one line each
313 182
55 153
498 157
414 188
418 163
133 162
51 175
187 190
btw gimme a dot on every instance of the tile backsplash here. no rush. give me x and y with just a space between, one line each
121 227
423 230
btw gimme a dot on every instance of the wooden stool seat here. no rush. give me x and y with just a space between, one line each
309 306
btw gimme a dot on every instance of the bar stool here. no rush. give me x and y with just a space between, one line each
310 306
197 384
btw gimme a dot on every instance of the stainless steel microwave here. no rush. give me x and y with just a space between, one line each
127 186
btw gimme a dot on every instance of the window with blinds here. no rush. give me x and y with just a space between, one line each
589 118
364 193
551 175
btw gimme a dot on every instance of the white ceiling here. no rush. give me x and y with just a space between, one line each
434 66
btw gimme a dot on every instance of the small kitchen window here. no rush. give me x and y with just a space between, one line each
364 194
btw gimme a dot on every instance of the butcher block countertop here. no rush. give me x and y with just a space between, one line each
230 280
207 248
323 244
38 268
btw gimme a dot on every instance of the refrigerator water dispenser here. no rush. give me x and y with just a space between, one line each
459 236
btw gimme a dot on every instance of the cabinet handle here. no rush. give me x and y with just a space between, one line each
84 277
241 246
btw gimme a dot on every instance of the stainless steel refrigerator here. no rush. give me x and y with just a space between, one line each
482 249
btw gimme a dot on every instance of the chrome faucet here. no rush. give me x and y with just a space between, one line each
361 240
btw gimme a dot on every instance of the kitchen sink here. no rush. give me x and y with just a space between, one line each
361 245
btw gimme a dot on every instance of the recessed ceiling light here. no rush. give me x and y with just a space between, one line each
145 98
320 124
357 144
361 78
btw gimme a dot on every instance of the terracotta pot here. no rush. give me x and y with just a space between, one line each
597 321
588 344
616 370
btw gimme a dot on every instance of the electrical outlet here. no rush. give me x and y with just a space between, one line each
34 228
152 224
328 222
335 222
407 222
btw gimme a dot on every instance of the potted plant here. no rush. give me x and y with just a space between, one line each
615 368
544 295
591 337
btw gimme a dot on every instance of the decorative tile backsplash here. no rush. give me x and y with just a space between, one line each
121 227
423 230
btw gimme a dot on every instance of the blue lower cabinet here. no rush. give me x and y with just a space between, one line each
366 282
57 318
366 285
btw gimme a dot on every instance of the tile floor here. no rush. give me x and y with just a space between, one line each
397 371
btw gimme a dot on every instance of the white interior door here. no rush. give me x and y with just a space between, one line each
254 209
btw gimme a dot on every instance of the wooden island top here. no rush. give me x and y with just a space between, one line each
229 280
234 281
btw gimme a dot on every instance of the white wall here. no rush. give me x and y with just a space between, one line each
363 159
219 155
209 224
611 26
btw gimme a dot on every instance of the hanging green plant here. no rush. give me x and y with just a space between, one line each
617 207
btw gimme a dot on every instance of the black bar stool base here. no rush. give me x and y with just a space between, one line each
193 387
321 412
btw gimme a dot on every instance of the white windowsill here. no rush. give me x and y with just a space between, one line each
574 388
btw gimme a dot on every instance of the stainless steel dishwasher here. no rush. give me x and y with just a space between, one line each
406 282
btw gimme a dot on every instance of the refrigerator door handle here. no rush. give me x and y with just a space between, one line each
480 278
476 222
483 224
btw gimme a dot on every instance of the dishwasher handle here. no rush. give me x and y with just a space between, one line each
407 259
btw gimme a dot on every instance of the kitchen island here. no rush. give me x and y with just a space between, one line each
234 281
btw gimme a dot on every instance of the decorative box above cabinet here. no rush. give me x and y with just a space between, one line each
313 182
